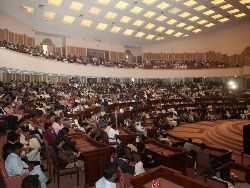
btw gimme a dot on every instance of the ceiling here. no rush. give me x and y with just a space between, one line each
131 22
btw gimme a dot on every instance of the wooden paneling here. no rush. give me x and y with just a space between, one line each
29 41
2 34
11 37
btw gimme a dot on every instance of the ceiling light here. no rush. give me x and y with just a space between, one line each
217 2
149 2
248 6
150 37
136 10
217 16
200 8
189 28
190 3
75 6
210 25
110 15
101 26
105 2
240 15
161 18
227 6
194 18
160 29
149 14
169 32
186 35
178 34
171 22
202 22
48 15
115 29
244 1
125 19
27 10
68 19
185 14
128 32
181 24
55 3
174 10
138 23
149 26
86 23
208 12
223 20
139 34
121 5
94 11
197 30
233 11
160 38
162 6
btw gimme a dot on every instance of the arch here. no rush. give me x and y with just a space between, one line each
47 41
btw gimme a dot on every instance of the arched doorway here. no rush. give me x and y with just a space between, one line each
129 57
47 47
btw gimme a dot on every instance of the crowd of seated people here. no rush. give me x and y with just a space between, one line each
100 61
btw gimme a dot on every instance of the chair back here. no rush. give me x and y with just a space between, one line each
54 157
104 136
136 156
190 172
128 154
203 159
214 183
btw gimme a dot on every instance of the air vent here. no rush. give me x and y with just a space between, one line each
40 6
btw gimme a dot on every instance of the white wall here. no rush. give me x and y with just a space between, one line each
230 40
15 60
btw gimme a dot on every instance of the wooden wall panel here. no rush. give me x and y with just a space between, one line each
29 41
20 39
11 37
1 34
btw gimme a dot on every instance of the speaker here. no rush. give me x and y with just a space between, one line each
246 139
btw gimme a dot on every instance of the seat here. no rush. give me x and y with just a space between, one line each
190 172
48 157
215 183
128 154
105 138
58 171
7 181
204 162
136 156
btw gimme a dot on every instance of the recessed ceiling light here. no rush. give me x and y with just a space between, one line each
160 38
149 2
138 23
121 5
149 26
194 18
217 2
189 28
169 32
150 37
185 14
178 34
223 20
240 15
190 3
101 26
162 6
110 15
48 15
161 18
75 6
139 34
227 6
248 6
171 22
125 19
244 1
217 16
202 22
174 10
105 2
233 11
86 23
68 19
200 8
197 30
136 10
128 32
210 25
94 11
27 9
55 3
149 14
115 29
208 12
181 24
160 29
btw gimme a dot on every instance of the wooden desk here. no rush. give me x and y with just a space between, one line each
168 178
95 156
125 136
168 156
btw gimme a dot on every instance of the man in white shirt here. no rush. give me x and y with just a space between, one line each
112 133
109 179
15 166
57 126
